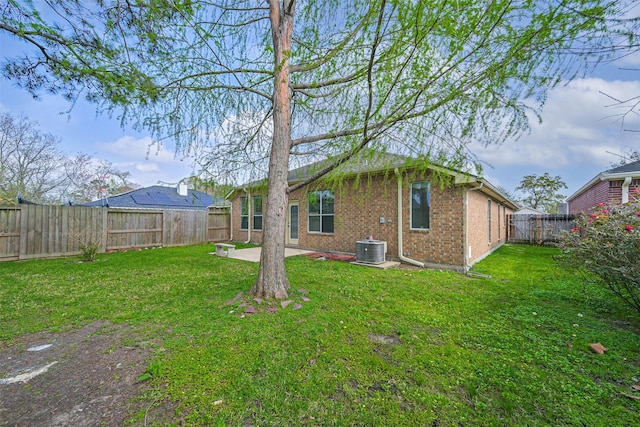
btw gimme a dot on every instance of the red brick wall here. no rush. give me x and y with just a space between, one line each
360 206
601 192
480 244
615 189
597 193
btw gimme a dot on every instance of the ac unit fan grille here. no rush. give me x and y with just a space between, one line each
370 251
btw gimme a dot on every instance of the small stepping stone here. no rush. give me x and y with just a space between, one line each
286 303
598 348
39 347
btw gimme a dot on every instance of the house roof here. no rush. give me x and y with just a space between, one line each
367 161
631 169
529 211
377 162
158 197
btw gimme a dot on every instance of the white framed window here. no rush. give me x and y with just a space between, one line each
321 211
257 212
420 205
244 213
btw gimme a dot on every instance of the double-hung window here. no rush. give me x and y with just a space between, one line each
420 205
257 212
321 211
244 213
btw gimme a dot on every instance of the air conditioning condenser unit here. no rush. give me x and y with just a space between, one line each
371 251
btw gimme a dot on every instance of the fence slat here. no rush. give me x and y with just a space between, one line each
37 231
538 229
9 233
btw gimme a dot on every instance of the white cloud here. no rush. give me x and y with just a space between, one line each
580 127
146 167
138 148
579 124
147 162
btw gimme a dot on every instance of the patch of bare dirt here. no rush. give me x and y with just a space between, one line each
330 256
84 377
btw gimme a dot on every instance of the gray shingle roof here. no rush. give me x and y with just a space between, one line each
158 197
629 167
366 161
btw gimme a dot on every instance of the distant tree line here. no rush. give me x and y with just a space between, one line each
33 168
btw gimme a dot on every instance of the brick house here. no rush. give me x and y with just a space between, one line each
424 223
611 186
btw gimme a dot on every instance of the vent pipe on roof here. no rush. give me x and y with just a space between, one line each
183 189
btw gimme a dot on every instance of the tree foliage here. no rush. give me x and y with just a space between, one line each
30 161
626 44
90 179
604 248
542 191
209 186
33 166
427 76
263 86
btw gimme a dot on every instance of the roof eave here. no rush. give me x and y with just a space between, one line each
493 191
603 176
620 175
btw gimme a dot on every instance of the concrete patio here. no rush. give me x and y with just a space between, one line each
253 255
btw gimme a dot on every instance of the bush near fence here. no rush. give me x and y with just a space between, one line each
42 231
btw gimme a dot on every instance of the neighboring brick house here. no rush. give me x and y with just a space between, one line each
448 227
611 186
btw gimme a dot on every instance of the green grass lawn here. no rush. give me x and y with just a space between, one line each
507 349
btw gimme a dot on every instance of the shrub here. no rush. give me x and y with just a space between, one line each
89 247
89 250
604 248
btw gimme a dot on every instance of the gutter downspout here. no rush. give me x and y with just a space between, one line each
465 225
231 223
226 197
248 215
625 189
400 254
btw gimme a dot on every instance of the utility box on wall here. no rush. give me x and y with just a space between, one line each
371 251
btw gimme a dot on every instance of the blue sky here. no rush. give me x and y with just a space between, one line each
579 128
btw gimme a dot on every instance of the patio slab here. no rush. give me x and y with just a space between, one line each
253 254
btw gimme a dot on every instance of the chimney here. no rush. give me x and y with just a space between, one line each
183 190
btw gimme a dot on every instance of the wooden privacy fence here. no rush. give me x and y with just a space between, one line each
35 231
538 229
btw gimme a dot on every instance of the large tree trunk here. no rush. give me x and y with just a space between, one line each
272 279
